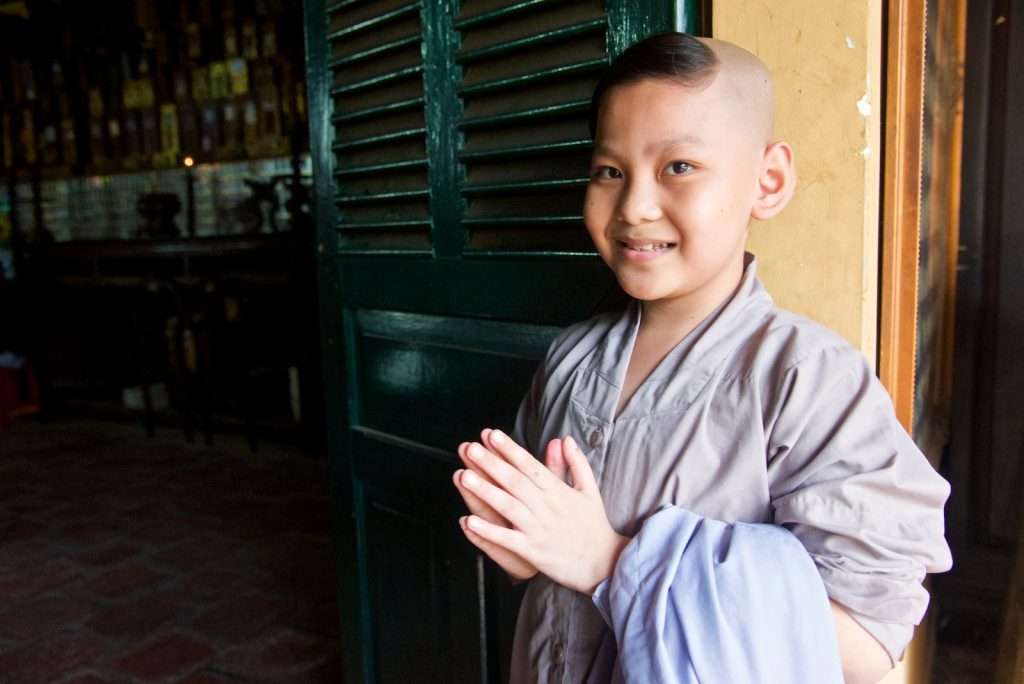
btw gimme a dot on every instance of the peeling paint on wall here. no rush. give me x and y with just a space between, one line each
864 105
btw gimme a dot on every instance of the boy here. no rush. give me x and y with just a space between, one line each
702 394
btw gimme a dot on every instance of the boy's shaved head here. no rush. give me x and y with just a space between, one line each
737 76
746 84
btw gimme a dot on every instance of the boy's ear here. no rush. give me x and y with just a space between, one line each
776 183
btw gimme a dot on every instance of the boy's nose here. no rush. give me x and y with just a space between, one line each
639 203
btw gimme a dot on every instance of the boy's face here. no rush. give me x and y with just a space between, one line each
674 176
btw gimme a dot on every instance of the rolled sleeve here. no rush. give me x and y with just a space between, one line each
853 487
691 601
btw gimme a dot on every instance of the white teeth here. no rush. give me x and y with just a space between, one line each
649 248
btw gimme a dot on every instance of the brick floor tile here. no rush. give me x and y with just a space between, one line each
15 528
107 555
87 531
89 678
194 553
328 672
43 616
309 615
124 579
161 533
171 654
27 581
47 660
211 583
136 618
206 677
278 655
29 553
239 617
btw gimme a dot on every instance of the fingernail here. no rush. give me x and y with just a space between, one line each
473 523
469 479
497 436
571 442
473 451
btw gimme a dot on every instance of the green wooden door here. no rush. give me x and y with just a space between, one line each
450 149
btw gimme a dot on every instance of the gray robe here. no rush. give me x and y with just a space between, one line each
758 415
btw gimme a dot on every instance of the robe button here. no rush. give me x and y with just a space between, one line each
559 651
596 438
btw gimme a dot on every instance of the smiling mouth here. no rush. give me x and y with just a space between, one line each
646 246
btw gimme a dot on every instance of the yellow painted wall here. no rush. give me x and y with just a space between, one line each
820 256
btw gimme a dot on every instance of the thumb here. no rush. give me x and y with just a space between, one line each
579 467
554 459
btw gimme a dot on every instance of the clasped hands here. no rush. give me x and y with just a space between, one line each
526 518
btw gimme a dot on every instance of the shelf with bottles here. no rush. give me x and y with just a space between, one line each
217 82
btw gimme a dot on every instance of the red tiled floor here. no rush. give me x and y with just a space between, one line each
108 554
125 579
87 678
136 618
282 655
46 660
129 560
168 655
239 618
39 617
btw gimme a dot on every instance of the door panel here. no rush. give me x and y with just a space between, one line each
450 150
425 378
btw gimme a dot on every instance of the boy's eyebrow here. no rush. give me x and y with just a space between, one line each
672 142
691 140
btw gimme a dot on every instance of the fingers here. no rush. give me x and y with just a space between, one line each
579 467
505 476
522 459
498 500
475 504
508 561
554 459
470 463
510 540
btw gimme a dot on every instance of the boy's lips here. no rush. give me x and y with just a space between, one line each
644 250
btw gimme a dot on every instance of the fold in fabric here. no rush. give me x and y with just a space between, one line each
698 600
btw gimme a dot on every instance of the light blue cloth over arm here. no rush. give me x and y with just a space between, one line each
699 600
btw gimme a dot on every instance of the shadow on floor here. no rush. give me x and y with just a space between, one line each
125 559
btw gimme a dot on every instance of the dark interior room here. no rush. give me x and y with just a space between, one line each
163 499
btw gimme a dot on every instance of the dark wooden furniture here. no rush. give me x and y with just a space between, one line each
245 304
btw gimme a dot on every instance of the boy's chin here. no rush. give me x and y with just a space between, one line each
642 292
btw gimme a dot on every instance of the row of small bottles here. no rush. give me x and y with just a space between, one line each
151 108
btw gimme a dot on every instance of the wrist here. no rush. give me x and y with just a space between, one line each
608 559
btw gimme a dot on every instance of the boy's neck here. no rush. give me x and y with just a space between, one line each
674 318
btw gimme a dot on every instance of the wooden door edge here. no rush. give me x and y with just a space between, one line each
901 202
904 70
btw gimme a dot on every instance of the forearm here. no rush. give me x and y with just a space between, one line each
864 660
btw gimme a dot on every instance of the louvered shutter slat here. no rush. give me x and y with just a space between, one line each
382 191
528 69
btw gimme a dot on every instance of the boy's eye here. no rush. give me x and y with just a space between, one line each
677 168
605 172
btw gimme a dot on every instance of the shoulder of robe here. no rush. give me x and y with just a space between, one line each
787 341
